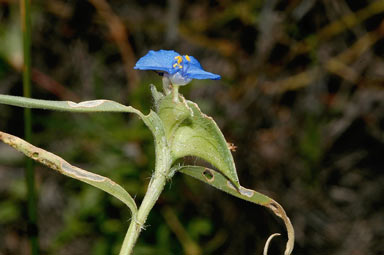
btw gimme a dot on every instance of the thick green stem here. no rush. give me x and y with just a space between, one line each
29 173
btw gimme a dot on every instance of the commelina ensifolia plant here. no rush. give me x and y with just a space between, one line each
179 129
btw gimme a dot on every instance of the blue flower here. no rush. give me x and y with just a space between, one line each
179 69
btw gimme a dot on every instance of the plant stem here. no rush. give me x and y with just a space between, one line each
29 171
155 188
175 93
166 85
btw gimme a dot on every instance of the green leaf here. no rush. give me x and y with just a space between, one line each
152 120
100 105
220 182
190 132
56 163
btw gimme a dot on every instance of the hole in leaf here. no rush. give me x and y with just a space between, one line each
246 192
208 174
86 104
275 208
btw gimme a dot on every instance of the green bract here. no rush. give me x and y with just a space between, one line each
190 132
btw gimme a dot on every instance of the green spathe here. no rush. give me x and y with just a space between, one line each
190 132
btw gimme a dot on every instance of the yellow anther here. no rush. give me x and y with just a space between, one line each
179 59
187 57
174 65
180 66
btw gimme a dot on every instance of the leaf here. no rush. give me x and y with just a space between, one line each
56 163
190 132
220 182
100 105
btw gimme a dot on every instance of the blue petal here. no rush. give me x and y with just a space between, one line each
195 71
161 60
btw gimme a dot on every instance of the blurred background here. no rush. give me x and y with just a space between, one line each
301 97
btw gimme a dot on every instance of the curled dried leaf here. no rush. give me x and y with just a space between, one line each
266 246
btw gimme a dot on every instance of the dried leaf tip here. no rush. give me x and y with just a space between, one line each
266 246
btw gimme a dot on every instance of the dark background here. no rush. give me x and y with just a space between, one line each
301 97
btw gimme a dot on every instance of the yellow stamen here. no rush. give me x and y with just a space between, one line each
174 65
179 59
187 57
